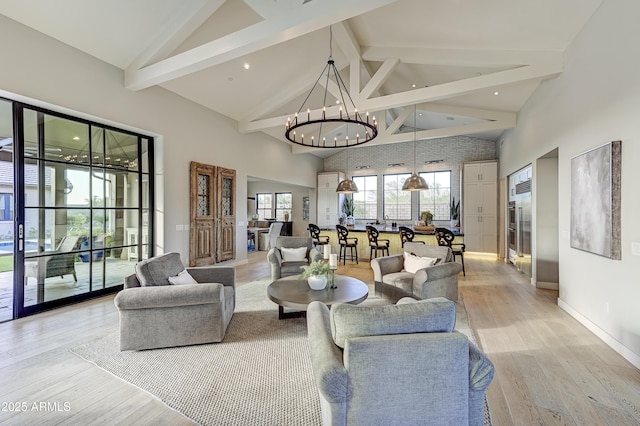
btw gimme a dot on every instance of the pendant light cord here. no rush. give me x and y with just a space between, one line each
415 111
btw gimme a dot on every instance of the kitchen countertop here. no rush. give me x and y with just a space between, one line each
394 230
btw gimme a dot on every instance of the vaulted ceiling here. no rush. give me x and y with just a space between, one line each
467 66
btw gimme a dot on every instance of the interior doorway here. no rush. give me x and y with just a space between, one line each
547 232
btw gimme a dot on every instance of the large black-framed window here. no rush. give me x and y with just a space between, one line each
366 199
84 207
437 199
396 202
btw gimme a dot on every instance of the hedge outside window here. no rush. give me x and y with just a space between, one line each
397 203
437 199
366 199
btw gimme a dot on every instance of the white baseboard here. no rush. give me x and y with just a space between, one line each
626 353
547 285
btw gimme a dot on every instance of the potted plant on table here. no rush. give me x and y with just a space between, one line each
426 217
316 274
349 207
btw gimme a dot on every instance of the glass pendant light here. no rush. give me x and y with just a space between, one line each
415 182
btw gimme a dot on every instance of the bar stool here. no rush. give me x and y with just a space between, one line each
317 239
346 242
376 244
407 235
445 238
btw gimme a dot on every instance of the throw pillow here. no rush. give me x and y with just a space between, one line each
183 277
437 315
157 270
294 254
413 263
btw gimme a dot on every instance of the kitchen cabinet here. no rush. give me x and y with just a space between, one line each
329 202
480 206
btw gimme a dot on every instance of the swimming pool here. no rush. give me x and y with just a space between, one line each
7 246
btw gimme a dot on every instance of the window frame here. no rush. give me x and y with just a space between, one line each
441 212
399 190
280 212
363 189
262 211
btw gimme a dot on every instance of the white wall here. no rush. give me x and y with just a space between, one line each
42 71
595 100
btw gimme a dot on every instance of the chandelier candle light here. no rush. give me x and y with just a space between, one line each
329 123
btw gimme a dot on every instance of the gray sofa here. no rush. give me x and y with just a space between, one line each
396 365
440 280
279 267
155 314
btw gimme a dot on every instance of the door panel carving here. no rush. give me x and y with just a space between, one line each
226 213
213 219
202 234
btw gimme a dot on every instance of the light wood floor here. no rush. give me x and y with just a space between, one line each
549 368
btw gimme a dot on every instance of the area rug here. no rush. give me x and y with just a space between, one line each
261 373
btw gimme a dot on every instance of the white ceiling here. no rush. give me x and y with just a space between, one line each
457 53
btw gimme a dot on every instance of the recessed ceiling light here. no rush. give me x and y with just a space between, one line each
413 85
76 138
496 93
247 66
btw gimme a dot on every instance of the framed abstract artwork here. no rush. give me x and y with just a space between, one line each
595 201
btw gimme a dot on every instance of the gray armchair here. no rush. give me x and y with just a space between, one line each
440 280
398 364
156 314
282 268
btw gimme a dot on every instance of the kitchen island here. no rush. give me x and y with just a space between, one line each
386 232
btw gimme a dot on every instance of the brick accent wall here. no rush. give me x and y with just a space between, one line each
454 151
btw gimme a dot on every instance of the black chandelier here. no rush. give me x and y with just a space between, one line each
339 126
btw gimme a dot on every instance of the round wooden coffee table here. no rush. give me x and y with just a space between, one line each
294 293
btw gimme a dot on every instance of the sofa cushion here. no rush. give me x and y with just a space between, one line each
183 277
157 270
293 254
292 268
425 250
437 315
413 263
402 280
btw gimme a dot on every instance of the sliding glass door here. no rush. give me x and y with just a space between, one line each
7 211
82 208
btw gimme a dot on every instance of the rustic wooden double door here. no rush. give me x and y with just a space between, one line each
212 237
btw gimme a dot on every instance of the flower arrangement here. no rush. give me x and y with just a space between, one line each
317 267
